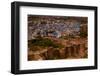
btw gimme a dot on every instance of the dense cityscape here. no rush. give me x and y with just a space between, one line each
57 37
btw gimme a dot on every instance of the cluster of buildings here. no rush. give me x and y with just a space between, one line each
52 26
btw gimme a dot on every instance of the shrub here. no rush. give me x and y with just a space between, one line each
43 42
